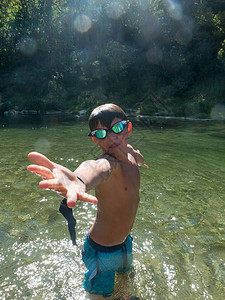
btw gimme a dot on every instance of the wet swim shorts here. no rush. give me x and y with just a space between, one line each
102 263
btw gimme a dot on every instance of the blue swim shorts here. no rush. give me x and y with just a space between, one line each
102 263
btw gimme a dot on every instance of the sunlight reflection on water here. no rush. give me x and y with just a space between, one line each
178 233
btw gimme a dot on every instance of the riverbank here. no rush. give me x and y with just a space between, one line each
219 116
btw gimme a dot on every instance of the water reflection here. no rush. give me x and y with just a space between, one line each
178 233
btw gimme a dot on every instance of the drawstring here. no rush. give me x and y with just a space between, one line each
97 262
96 270
124 249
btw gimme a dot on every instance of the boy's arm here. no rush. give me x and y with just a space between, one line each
137 155
93 172
71 185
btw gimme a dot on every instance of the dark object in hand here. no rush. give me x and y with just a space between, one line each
68 215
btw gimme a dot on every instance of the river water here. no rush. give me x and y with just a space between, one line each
179 237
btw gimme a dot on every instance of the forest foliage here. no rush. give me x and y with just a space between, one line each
154 56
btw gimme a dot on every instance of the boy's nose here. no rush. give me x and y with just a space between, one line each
111 134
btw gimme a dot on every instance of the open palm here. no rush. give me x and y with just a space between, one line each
59 179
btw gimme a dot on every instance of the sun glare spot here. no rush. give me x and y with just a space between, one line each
218 112
154 55
183 37
27 46
91 8
82 23
184 34
42 145
174 9
115 10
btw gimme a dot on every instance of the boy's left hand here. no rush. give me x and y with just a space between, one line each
146 166
143 165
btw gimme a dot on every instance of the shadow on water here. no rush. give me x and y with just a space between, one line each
37 120
179 232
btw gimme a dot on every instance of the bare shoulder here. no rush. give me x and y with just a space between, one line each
107 161
93 172
101 164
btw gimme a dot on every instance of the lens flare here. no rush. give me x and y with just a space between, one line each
154 55
218 112
184 34
174 9
115 10
91 8
27 46
82 23
42 145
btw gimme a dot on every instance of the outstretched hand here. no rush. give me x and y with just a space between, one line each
59 179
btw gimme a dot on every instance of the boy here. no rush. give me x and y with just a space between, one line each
115 177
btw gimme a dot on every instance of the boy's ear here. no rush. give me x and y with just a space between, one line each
129 129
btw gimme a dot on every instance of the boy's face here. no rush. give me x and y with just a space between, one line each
113 144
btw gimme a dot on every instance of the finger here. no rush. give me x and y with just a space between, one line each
45 173
146 166
41 160
51 184
71 199
87 197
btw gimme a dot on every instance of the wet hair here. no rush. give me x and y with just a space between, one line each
105 114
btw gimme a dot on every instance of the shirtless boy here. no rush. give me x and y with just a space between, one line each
115 177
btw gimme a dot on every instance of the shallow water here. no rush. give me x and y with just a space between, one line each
179 237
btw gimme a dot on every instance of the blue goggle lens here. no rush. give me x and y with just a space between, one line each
100 134
117 128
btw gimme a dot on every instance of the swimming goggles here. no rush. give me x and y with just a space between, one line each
117 128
